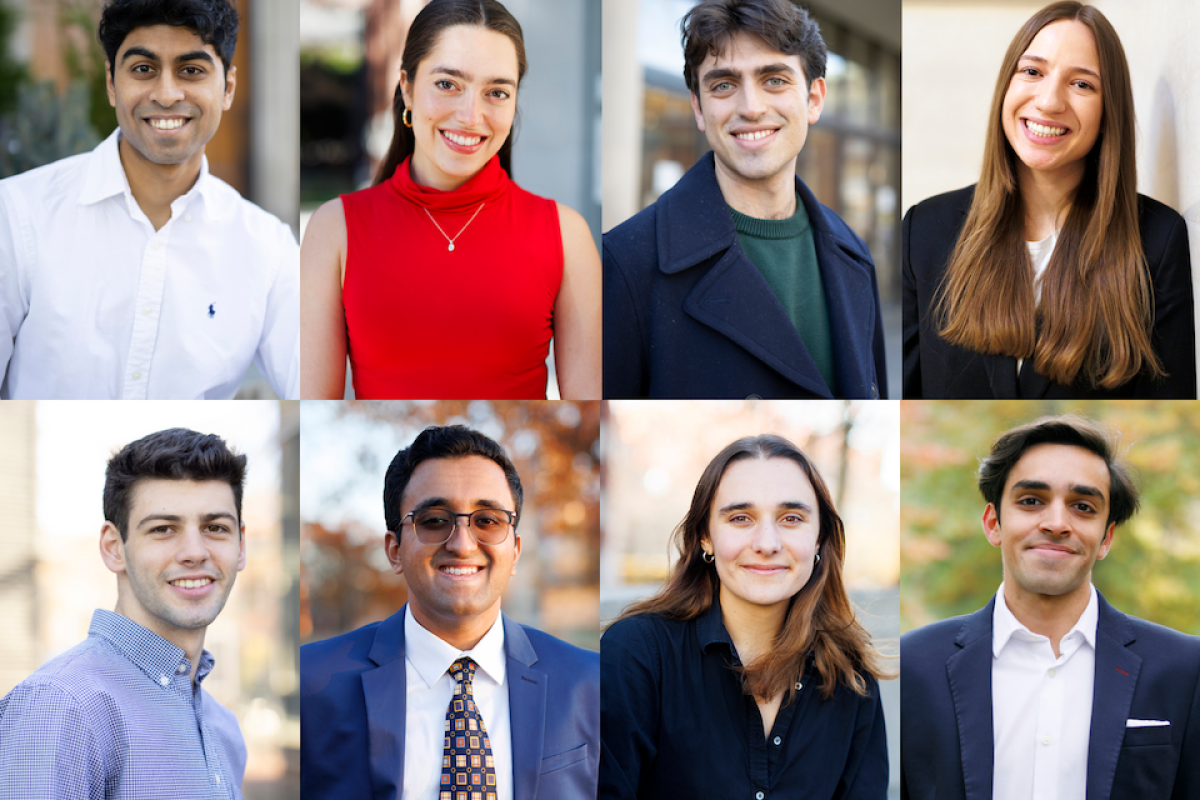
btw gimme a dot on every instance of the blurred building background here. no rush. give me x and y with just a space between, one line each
851 159
953 50
655 452
52 460
346 448
53 102
1153 568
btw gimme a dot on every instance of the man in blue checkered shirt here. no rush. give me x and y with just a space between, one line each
122 716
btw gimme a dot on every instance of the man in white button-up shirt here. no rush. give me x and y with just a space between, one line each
1049 692
131 272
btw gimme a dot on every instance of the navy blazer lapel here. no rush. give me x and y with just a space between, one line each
1117 670
970 675
526 710
384 691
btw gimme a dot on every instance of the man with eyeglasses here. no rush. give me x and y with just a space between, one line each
448 699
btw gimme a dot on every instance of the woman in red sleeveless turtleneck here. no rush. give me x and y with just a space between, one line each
446 280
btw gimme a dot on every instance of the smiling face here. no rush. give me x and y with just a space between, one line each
181 555
454 588
754 108
169 89
1054 105
463 99
1052 523
763 531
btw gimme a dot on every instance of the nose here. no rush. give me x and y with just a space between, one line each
193 547
751 105
469 110
767 538
168 89
1055 518
1051 95
461 541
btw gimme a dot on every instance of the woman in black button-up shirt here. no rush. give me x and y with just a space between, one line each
747 677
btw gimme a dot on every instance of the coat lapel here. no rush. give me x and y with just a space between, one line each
970 674
1117 670
384 690
526 710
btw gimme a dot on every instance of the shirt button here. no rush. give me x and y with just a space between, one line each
1046 740
1052 672
759 796
137 376
187 217
147 311
778 740
156 245
164 680
182 668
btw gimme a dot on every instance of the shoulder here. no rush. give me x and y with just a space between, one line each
1158 223
327 222
1165 642
943 209
259 223
633 242
339 653
57 176
80 679
930 638
644 632
560 656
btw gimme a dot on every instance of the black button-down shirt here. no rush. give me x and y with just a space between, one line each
675 723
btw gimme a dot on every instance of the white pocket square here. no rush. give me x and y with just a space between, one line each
1147 723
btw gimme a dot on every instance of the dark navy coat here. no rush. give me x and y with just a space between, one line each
687 315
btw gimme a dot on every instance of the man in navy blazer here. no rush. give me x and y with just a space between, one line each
377 703
1049 691
737 282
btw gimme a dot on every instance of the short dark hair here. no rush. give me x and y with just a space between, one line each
214 21
177 454
442 441
708 30
1074 430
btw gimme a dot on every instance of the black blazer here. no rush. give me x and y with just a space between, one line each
686 313
1143 671
935 369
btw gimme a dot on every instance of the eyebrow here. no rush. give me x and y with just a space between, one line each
444 502
789 504
204 518
458 73
1078 488
727 72
1042 60
194 55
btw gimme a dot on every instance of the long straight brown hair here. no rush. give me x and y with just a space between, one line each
422 37
1097 306
819 618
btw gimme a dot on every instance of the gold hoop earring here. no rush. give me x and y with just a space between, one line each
406 117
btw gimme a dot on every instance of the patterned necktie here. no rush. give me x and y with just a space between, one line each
468 769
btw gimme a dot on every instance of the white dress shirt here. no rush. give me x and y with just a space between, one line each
428 692
1041 707
94 303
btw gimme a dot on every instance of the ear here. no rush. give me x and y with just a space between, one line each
108 84
242 547
697 112
112 549
706 544
516 553
391 546
1107 543
230 87
991 525
816 100
406 88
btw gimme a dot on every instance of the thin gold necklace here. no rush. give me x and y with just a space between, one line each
450 241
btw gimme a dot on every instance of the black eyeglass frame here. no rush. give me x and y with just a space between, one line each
512 523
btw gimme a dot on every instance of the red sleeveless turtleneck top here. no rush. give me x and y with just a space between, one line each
425 322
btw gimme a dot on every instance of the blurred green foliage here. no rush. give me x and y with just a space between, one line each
949 568
85 61
46 127
11 73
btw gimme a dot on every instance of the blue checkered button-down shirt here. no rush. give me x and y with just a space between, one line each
117 718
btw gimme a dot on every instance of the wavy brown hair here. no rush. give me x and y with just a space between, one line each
820 619
422 37
1093 323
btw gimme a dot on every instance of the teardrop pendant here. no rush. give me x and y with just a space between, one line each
451 247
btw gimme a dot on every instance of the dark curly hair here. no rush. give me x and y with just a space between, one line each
214 21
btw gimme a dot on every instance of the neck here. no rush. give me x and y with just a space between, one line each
1046 197
1052 616
156 186
461 632
190 641
752 628
424 175
773 197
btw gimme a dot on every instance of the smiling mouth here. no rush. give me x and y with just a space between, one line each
1043 130
754 136
189 583
167 123
460 571
462 141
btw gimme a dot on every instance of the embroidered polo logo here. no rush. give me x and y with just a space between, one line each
212 312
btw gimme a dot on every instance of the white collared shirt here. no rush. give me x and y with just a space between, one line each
428 691
1041 707
94 303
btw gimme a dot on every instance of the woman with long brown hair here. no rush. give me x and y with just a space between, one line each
1051 277
747 675
445 279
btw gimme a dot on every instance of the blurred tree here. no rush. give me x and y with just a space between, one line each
84 58
11 72
949 568
46 127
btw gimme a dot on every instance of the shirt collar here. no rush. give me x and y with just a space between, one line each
105 178
148 651
710 628
432 656
1005 624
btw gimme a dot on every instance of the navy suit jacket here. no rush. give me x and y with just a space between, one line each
1143 671
688 315
352 700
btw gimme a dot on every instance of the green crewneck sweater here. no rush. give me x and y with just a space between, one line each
784 252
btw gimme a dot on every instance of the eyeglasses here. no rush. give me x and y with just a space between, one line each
486 525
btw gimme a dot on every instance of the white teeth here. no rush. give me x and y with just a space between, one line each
192 584
166 124
460 570
465 141
1043 130
753 137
